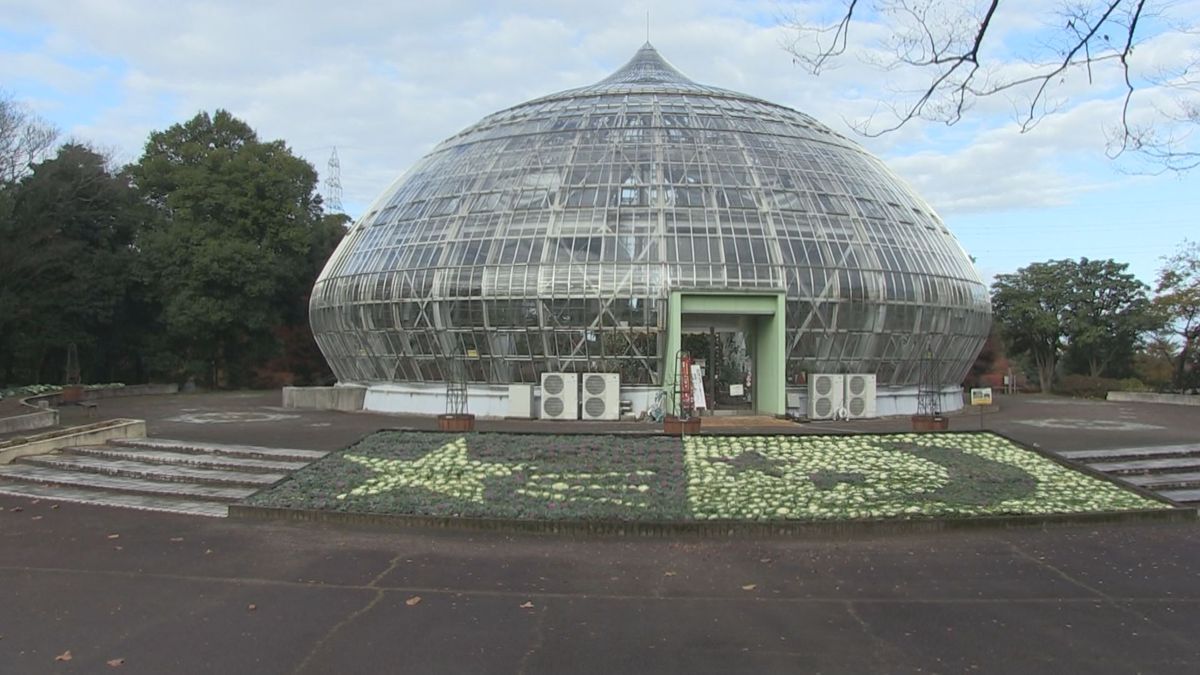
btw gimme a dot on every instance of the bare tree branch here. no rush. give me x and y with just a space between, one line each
945 42
24 139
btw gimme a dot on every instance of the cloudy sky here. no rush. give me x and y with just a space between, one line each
386 81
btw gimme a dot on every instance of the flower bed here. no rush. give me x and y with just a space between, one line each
494 475
35 389
700 478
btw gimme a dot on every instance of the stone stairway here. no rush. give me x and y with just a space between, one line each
1172 471
153 474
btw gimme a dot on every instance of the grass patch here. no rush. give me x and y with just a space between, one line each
755 478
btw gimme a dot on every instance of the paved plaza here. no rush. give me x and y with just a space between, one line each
180 594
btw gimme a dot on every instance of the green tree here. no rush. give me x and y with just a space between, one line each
1033 309
1154 364
234 248
1110 313
1178 299
68 229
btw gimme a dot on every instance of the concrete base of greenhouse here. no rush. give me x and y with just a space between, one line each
491 400
483 400
344 398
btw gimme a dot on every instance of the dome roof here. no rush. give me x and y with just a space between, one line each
550 234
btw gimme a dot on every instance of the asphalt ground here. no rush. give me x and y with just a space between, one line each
173 594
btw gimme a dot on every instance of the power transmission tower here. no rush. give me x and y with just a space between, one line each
333 183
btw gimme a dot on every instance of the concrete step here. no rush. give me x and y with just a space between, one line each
1188 496
164 472
232 450
1148 452
35 474
198 459
78 495
1158 481
1173 464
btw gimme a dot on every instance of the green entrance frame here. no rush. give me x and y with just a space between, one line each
767 314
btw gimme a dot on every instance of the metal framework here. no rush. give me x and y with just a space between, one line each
549 237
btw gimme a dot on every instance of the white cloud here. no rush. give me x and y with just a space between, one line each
386 82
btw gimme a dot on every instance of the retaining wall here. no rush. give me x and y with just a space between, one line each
1146 397
91 434
344 398
33 420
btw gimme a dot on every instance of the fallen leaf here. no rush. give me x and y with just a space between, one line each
251 607
114 536
36 518
176 538
527 605
16 509
668 574
118 548
764 560
414 600
207 551
54 506
115 663
65 656
749 587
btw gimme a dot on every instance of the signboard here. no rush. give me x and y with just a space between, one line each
981 396
698 387
736 390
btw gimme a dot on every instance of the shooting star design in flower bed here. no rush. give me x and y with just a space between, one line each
701 478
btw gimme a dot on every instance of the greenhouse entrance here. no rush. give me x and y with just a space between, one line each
739 339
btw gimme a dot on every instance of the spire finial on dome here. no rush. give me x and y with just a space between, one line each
647 67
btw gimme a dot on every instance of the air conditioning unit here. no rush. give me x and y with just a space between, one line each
860 396
560 396
601 396
824 396
520 401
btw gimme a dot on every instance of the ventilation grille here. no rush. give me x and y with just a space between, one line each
856 385
594 407
856 406
594 385
824 385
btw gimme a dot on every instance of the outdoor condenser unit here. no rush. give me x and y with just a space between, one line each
560 396
601 396
860 396
825 396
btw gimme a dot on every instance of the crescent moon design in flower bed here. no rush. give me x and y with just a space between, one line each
700 478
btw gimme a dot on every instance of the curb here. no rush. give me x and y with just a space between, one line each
706 529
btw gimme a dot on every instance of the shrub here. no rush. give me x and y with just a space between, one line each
1086 386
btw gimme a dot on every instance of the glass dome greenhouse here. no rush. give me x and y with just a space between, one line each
557 234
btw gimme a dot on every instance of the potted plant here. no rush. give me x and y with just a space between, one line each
456 422
931 422
677 426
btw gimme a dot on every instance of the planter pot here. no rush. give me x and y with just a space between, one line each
456 423
674 426
930 423
72 393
